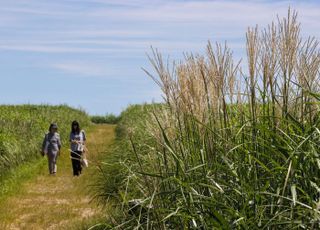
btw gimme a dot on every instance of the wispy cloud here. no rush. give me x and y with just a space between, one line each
82 69
128 28
170 25
133 47
109 38
62 49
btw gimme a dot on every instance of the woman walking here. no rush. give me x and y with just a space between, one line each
77 140
51 147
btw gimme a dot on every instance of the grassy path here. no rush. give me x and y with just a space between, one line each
61 201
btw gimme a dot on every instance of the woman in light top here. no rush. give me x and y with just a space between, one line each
51 147
77 140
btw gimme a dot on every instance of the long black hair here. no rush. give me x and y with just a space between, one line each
75 130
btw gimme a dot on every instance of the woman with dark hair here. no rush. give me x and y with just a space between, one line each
51 147
77 140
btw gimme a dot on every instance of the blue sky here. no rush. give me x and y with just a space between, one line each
89 53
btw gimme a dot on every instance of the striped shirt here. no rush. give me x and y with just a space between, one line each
80 138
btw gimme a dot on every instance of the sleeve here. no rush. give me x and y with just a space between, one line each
70 137
59 142
84 135
44 142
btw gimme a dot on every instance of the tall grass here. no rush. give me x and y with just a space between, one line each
232 148
116 167
22 129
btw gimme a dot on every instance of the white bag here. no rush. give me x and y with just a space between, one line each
80 147
84 162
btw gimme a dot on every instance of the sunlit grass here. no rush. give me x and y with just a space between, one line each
231 148
22 128
61 201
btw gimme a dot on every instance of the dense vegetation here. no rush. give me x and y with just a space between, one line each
22 129
106 119
231 148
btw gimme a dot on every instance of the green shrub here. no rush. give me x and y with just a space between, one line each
107 119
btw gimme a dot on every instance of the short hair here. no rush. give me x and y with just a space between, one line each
53 126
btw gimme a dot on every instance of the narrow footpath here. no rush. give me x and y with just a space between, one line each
61 201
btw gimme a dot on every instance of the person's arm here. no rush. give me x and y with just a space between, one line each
71 138
44 144
84 138
59 142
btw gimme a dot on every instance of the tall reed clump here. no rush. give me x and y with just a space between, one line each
22 129
232 148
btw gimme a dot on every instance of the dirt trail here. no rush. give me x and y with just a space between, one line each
61 201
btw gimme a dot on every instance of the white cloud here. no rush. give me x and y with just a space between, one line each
136 24
93 69
108 39
126 28
43 48
216 12
82 69
96 46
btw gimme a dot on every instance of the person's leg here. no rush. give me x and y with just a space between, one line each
74 167
54 163
79 162
51 162
74 163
